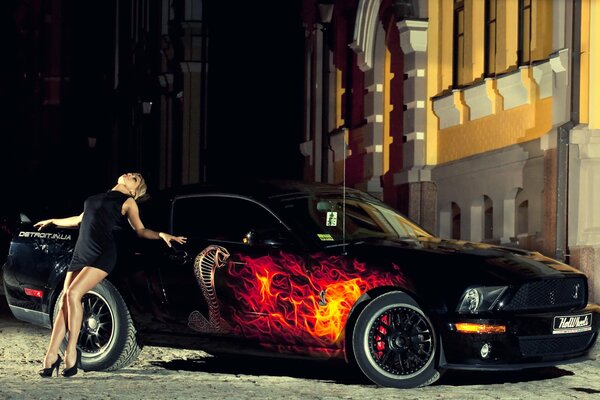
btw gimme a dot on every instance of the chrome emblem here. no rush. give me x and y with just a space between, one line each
576 291
322 300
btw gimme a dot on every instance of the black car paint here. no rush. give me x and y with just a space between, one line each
155 282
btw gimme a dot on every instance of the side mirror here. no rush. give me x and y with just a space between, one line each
24 219
265 237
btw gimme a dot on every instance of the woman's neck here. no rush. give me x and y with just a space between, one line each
122 188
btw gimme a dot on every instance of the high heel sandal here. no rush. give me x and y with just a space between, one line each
68 372
47 372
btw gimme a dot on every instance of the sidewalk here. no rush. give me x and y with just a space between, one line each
181 374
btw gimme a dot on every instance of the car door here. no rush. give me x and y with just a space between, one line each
202 282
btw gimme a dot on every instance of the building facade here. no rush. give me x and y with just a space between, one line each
497 140
365 101
97 91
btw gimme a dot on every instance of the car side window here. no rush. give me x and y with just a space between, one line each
220 217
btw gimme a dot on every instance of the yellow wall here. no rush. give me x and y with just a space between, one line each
594 60
442 24
439 68
502 128
387 110
520 124
339 94
474 37
507 35
541 35
585 62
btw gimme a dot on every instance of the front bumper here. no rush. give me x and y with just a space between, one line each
528 342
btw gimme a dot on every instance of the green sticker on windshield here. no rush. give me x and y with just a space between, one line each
331 218
325 236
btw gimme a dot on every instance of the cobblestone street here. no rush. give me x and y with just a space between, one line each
179 374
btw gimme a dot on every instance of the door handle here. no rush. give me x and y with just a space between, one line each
179 256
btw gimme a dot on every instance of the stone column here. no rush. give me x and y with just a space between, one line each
374 109
194 69
584 197
422 204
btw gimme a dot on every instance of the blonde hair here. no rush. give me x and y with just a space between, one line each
142 187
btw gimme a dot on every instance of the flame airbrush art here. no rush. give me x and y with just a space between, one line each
285 301
282 301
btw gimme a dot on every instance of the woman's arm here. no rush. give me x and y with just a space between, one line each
133 215
62 222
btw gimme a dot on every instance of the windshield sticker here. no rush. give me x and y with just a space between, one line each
325 237
331 218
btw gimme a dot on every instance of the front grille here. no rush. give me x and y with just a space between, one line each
556 345
550 294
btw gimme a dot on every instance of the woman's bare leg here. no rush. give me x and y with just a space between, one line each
80 285
59 327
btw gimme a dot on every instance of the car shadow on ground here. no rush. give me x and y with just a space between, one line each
342 373
465 378
330 370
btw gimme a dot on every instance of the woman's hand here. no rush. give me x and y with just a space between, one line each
43 224
169 238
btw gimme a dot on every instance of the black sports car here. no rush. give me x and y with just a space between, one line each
311 270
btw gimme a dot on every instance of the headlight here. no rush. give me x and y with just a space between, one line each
479 299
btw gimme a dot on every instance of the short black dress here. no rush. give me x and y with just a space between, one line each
95 245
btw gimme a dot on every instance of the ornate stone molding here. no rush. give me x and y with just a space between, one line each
413 35
416 174
542 74
306 148
584 187
513 90
339 144
446 111
476 98
373 101
559 62
365 29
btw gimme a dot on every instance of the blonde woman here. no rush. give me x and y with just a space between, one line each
93 259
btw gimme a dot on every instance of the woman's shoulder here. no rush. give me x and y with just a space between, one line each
130 202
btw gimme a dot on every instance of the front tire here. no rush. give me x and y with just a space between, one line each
107 339
395 343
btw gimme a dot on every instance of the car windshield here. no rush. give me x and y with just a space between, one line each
321 217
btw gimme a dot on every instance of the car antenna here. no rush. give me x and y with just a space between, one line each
344 192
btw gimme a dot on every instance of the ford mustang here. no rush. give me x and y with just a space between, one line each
314 270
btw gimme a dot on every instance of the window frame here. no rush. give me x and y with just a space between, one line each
458 13
489 70
522 38
222 195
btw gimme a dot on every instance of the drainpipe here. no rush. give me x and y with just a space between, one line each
562 182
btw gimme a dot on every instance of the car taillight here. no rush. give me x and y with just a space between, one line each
34 292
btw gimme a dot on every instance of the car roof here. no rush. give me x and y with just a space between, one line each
258 189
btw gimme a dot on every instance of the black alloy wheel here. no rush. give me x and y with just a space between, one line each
401 341
97 329
107 338
395 343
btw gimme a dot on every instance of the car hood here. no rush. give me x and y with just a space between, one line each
434 259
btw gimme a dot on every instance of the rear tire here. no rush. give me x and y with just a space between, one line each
107 339
395 344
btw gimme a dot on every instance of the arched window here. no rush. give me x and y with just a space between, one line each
488 218
455 221
523 218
